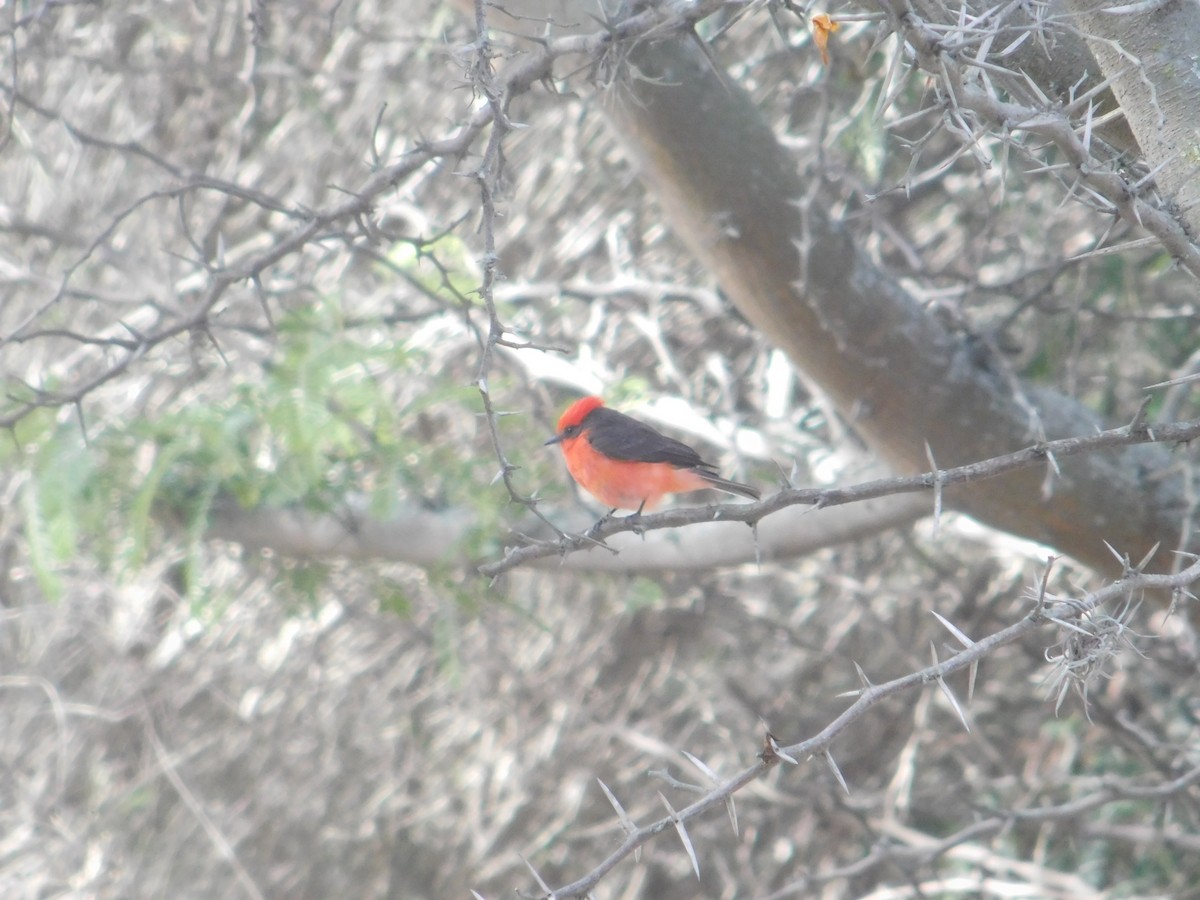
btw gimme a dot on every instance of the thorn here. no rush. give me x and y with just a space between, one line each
962 638
837 773
1040 607
862 676
674 782
683 835
1139 417
1149 556
1186 379
541 883
716 782
1053 461
626 822
949 694
937 489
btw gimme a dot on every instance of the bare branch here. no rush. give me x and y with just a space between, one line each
819 744
518 77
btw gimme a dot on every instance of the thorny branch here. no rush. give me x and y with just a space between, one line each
519 76
1044 453
1047 609
490 176
958 65
899 845
967 72
358 207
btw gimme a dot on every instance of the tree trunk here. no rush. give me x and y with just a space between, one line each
1151 52
911 389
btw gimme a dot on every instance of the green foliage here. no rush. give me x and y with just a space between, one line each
41 557
333 415
29 430
446 640
302 582
443 267
643 593
628 390
865 142
393 597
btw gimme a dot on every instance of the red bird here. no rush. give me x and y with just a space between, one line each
626 464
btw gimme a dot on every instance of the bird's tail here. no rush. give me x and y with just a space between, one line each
730 487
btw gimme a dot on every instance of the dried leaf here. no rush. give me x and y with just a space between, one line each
773 753
822 27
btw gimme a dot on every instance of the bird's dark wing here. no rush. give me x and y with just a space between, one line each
618 436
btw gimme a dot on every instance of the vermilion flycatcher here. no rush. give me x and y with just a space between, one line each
626 464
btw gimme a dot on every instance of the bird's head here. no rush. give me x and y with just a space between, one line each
571 420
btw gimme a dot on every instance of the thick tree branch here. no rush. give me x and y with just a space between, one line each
423 538
782 529
1151 53
911 387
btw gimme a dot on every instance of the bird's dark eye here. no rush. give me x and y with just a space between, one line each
571 431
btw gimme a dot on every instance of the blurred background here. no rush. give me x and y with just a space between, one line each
248 480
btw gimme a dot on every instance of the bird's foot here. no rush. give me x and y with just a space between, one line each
635 521
593 532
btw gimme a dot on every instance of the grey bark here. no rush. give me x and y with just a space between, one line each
1151 52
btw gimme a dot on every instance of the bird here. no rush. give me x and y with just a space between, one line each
627 464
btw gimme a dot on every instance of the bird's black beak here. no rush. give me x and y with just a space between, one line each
554 440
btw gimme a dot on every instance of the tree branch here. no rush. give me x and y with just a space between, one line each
1047 610
1048 454
951 63
908 385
